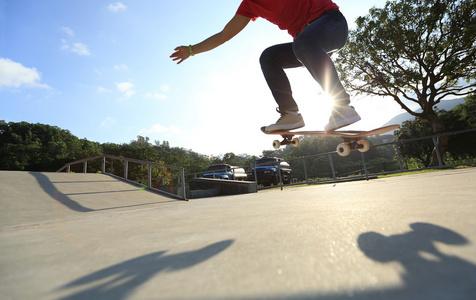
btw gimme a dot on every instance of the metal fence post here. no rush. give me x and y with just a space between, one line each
435 142
85 167
398 156
279 175
103 165
126 168
184 190
149 175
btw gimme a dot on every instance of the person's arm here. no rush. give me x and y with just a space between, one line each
234 26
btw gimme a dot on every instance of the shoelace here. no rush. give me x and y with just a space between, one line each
283 114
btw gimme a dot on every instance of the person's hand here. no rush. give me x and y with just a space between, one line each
181 53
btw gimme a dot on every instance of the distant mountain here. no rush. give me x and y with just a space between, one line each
443 105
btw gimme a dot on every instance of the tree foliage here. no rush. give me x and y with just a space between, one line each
414 51
421 149
463 116
35 147
460 146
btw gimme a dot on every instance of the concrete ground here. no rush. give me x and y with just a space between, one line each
90 236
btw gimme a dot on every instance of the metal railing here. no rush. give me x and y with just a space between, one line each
365 172
160 183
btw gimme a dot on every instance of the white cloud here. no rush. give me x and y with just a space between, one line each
127 88
78 48
124 86
158 128
159 96
118 6
68 31
71 44
165 88
13 74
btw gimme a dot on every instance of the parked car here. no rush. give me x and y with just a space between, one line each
224 171
267 171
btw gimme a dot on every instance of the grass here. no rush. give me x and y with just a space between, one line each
425 171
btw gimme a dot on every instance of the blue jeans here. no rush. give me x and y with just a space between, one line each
312 49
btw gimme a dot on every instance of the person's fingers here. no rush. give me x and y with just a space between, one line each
181 53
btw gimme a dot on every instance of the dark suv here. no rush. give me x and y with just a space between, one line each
224 171
267 171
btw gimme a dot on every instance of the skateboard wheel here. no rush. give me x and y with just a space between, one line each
343 149
365 146
276 144
296 142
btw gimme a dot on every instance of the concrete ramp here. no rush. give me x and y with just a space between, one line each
90 236
35 197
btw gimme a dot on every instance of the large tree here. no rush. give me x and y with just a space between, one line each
414 51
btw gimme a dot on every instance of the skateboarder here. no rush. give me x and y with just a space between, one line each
318 28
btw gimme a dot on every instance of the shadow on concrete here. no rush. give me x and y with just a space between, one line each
48 186
119 281
428 273
51 190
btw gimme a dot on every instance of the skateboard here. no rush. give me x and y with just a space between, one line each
351 138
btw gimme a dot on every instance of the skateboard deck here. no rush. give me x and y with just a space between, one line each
350 137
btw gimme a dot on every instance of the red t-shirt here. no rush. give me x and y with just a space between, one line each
292 15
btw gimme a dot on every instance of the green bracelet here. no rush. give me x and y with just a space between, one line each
190 50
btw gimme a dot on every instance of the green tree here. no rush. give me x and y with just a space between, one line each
414 51
463 116
142 149
460 146
39 147
421 149
191 161
230 158
466 113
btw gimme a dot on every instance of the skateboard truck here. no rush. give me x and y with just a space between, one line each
349 144
287 140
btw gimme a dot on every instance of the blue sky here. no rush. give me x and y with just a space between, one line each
101 69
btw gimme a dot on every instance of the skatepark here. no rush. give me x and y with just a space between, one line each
93 236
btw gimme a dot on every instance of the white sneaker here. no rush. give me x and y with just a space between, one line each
288 121
341 116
